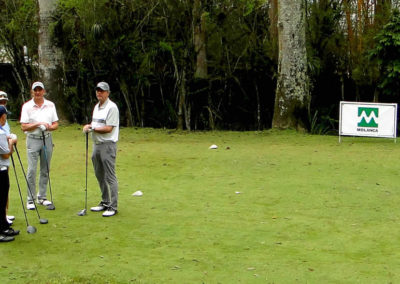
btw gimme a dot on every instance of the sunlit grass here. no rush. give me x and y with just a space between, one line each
265 207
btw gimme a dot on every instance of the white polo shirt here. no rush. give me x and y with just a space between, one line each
106 115
32 113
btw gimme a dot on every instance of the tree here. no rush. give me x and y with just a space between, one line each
199 40
292 93
18 32
49 55
387 53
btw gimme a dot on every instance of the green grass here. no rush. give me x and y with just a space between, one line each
265 207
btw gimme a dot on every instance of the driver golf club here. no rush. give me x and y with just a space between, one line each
83 211
41 220
29 229
50 206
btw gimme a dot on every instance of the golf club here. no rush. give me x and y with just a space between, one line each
29 229
41 220
50 206
83 211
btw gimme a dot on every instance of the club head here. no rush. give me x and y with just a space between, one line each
31 230
50 207
82 212
43 221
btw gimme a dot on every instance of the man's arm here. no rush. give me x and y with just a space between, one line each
7 151
103 129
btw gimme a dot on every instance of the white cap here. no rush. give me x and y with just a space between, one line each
103 85
3 96
37 84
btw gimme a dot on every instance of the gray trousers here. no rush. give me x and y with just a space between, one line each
103 158
35 152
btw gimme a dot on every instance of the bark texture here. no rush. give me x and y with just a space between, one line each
292 92
199 39
49 56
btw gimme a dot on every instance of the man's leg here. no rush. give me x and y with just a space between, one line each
4 188
108 157
99 173
33 157
44 171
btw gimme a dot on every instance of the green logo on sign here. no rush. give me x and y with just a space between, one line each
368 116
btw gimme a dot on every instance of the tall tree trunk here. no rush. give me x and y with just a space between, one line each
360 24
199 40
50 67
124 90
183 110
350 30
273 27
292 92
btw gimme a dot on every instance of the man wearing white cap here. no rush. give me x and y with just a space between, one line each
38 119
105 129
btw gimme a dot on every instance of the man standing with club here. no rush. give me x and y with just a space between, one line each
105 130
38 119
6 148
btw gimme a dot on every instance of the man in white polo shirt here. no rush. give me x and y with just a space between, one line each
38 118
105 129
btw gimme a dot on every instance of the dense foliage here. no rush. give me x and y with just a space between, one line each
145 50
148 51
18 32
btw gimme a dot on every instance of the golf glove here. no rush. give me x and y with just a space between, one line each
13 136
88 130
42 127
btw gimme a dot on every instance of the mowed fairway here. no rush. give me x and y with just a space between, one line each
265 207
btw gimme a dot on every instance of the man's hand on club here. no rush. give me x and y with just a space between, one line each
13 138
87 128
42 127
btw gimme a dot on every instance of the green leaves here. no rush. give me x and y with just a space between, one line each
387 54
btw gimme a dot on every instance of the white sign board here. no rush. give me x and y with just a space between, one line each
368 119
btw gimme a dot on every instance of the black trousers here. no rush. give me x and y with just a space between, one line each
4 188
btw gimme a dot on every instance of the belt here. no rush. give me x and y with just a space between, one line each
103 142
38 136
3 168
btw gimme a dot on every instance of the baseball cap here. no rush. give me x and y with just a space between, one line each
3 96
3 110
103 85
37 84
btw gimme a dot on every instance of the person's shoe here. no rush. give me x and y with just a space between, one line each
10 222
98 208
10 217
30 205
10 232
4 238
44 202
109 213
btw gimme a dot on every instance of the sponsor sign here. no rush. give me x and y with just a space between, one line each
368 119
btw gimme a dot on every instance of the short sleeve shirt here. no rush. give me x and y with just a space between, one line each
32 113
106 115
4 148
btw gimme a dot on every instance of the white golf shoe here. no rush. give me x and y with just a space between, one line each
109 213
98 208
30 205
44 202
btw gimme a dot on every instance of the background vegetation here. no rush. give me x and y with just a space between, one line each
147 51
